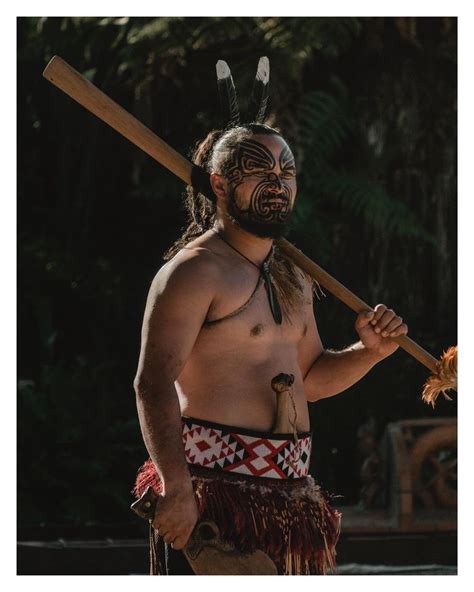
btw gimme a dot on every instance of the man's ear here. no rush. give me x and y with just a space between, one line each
219 185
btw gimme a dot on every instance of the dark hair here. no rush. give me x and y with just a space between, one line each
214 154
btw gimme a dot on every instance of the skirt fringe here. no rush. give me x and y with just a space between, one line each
290 520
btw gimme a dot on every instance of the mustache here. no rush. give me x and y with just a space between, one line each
274 197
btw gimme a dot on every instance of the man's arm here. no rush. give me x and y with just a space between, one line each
327 373
177 305
335 371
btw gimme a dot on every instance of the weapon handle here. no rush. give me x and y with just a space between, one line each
351 300
282 423
145 506
65 77
281 385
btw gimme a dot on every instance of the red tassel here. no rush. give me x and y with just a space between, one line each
147 477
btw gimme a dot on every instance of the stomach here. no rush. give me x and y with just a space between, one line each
235 389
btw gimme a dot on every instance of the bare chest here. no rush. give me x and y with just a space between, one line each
241 314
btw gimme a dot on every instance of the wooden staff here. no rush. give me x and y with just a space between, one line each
67 79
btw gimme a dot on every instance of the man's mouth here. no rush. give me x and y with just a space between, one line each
276 203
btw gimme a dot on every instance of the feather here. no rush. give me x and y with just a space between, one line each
445 378
260 92
228 96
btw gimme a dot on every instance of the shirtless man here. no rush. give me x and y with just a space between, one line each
210 344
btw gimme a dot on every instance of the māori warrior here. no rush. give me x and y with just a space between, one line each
225 316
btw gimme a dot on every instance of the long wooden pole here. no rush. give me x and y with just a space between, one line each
94 100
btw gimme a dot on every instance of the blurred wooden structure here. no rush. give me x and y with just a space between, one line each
413 475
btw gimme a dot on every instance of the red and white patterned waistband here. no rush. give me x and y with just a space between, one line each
238 450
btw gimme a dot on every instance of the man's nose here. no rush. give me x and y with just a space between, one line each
277 181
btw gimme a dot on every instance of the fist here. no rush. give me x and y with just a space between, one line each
377 330
176 516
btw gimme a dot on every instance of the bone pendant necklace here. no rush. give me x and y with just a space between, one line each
265 271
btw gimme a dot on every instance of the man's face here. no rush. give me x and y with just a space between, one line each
262 186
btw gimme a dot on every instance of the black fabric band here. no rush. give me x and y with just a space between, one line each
201 183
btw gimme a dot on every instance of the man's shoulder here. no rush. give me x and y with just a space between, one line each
192 266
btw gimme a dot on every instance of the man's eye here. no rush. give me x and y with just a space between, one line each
255 168
289 173
250 164
256 172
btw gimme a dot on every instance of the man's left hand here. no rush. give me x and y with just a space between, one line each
378 329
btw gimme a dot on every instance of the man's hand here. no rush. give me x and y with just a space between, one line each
175 517
377 330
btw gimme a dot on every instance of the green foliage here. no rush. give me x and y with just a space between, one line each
326 127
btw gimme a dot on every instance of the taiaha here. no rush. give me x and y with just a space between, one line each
62 75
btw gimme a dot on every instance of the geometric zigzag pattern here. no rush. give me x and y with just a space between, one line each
221 448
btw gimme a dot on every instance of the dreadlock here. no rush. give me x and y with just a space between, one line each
201 211
216 154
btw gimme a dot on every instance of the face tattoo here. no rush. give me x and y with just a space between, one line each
268 212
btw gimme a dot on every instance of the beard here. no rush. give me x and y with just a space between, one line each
268 216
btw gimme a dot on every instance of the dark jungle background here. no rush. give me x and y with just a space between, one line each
369 107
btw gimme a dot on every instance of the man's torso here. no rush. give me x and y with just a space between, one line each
227 377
